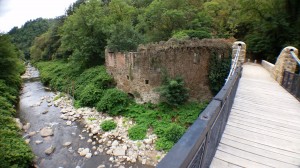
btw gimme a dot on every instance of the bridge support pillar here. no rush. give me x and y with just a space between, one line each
242 54
284 62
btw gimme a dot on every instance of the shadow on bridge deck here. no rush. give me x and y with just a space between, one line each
263 128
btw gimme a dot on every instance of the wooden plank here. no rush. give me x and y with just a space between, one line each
254 157
266 131
233 159
289 107
271 121
262 152
264 139
217 163
283 119
263 124
262 146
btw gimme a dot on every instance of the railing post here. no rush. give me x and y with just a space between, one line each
238 57
242 54
285 62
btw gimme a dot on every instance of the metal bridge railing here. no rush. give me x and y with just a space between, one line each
295 56
198 145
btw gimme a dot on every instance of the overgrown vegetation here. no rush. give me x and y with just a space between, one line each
113 102
160 118
14 151
218 72
173 91
108 125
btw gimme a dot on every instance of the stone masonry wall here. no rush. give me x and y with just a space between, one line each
284 62
139 73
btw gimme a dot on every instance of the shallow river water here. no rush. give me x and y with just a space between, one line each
64 157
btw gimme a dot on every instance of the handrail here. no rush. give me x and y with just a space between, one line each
198 145
295 56
234 63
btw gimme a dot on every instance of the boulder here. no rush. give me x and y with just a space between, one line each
47 131
84 152
50 150
88 155
19 124
38 142
115 143
32 133
26 127
67 144
119 152
45 112
69 123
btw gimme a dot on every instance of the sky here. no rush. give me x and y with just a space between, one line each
17 12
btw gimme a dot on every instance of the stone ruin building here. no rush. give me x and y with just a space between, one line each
140 73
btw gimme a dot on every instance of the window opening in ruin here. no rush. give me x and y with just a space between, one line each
146 81
130 95
196 59
127 77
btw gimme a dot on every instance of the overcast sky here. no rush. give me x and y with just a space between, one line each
17 12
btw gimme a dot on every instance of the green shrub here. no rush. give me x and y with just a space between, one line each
90 95
14 151
97 76
173 91
163 144
113 102
108 125
174 132
137 132
77 104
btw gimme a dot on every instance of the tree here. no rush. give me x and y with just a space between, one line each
123 37
83 34
268 28
11 66
161 18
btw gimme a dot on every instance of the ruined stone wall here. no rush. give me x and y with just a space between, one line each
139 73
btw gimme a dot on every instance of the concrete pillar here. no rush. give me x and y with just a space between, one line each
242 54
285 62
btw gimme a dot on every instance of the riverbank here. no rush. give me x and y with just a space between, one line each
60 135
14 152
144 133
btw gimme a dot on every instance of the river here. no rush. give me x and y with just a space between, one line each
34 108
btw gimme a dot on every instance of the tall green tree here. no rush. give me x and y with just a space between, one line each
10 65
162 18
83 34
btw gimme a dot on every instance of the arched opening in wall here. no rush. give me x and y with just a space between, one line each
130 95
146 81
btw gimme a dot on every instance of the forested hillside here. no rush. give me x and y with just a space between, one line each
88 27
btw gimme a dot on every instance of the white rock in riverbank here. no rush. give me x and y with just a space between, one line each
116 142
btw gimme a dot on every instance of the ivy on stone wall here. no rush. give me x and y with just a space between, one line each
219 68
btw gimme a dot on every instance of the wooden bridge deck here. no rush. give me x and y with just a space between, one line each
263 129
